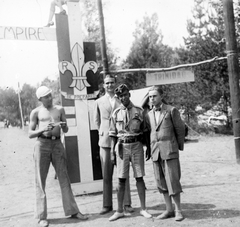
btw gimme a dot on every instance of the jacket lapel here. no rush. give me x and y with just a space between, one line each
107 104
116 104
162 115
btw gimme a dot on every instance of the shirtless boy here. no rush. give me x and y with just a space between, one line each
46 123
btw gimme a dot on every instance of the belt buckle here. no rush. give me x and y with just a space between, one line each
53 137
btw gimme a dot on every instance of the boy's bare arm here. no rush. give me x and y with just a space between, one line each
63 123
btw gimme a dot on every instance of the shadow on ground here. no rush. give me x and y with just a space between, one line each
195 211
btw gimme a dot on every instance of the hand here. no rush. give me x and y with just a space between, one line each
113 157
148 154
49 127
62 124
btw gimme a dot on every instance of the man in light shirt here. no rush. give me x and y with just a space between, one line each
103 110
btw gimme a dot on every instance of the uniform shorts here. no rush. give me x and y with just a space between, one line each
134 153
167 175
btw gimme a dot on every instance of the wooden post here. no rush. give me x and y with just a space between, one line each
103 39
78 83
20 106
233 69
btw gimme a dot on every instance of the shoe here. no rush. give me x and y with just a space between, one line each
106 210
49 24
178 215
128 209
43 223
145 214
63 12
79 216
166 214
116 216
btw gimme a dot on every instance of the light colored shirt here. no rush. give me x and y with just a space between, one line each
111 100
157 115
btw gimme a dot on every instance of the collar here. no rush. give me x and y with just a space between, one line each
157 108
130 105
109 96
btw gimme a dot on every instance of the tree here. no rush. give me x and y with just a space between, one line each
92 26
28 99
146 51
9 108
206 41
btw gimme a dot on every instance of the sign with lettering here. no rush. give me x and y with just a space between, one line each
169 77
78 68
28 33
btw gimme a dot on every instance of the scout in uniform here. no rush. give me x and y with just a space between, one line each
126 131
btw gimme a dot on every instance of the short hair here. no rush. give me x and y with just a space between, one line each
109 76
156 88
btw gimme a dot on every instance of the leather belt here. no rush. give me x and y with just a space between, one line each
130 139
50 137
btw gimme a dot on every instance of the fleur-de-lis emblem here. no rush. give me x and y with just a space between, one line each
78 68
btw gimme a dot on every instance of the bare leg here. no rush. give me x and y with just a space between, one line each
59 3
141 192
142 196
51 14
120 194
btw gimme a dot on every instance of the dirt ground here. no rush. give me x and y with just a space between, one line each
210 179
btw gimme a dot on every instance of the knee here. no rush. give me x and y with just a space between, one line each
139 179
121 184
122 181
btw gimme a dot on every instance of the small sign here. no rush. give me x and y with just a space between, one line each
169 77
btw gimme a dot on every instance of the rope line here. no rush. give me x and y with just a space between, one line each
167 69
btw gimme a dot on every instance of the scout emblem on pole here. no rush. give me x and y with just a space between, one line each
78 81
78 68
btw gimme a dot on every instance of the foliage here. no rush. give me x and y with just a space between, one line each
92 26
10 107
206 41
147 51
8 104
28 100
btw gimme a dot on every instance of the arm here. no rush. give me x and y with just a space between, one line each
113 137
146 135
96 115
179 128
63 123
113 153
32 132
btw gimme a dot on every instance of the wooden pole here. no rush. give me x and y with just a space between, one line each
233 69
103 39
20 106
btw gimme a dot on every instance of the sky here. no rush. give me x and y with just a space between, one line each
32 61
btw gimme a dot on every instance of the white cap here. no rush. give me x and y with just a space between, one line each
42 91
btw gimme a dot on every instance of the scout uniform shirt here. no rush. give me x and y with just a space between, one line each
126 121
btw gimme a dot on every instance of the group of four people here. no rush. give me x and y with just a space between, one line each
123 129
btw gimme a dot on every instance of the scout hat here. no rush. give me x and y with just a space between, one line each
120 89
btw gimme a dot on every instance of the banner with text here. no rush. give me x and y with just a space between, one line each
169 77
28 33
